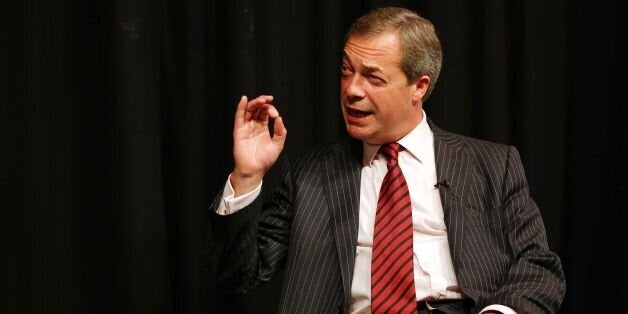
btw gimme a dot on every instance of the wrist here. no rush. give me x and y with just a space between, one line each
244 183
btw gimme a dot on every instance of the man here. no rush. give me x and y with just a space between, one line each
403 217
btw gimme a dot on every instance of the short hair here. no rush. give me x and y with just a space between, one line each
421 52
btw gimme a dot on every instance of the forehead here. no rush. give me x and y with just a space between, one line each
383 49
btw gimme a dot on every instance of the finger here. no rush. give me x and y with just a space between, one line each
267 111
255 114
240 112
280 131
258 102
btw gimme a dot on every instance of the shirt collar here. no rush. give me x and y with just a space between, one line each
414 142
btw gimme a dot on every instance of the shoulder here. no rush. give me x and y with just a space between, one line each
486 155
474 146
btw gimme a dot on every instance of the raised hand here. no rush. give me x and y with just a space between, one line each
254 150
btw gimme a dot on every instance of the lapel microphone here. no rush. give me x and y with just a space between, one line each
443 183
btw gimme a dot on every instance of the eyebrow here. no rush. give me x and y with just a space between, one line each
367 66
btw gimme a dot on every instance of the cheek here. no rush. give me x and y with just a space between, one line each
393 107
381 99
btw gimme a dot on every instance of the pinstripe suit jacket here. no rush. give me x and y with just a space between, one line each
309 225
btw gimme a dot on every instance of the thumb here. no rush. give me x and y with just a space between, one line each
280 131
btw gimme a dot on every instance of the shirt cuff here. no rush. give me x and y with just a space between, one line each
231 204
499 308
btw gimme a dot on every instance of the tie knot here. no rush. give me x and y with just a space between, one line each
391 152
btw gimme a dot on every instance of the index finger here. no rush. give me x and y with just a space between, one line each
258 102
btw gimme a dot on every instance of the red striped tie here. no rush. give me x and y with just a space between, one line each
392 270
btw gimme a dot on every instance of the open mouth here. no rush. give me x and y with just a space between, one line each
358 113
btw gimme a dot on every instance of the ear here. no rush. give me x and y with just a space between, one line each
421 85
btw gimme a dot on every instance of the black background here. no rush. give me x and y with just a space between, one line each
116 121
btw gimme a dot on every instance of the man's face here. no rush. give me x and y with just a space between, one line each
379 105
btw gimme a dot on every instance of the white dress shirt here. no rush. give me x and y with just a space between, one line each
434 274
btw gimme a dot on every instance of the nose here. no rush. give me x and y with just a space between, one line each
353 89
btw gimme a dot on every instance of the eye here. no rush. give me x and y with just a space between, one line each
375 79
345 70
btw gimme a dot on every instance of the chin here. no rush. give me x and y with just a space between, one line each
358 134
354 133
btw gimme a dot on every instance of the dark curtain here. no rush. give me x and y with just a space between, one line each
116 121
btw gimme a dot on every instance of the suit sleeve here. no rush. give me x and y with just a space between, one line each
535 282
247 247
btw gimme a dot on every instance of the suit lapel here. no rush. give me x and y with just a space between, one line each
452 169
342 189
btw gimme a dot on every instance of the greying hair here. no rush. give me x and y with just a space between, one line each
421 52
